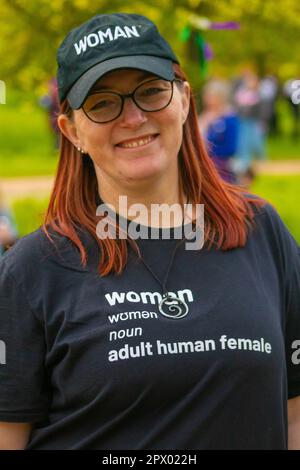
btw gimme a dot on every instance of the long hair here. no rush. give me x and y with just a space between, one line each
229 212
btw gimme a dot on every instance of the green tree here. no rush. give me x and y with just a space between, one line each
31 30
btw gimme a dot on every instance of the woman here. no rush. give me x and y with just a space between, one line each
141 343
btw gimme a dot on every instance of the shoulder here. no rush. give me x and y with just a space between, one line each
268 218
230 121
35 254
29 248
265 213
37 269
24 249
271 231
231 116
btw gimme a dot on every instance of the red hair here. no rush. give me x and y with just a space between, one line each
229 212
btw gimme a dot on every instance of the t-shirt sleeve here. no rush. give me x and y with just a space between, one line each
23 391
287 252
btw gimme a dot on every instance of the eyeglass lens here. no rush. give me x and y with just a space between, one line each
153 95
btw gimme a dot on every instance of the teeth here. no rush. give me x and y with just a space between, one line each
137 143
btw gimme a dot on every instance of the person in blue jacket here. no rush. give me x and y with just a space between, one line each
220 126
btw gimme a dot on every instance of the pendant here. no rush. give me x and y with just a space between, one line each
172 307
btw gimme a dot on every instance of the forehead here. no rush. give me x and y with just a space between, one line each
122 79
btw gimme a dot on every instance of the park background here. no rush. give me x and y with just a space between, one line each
267 41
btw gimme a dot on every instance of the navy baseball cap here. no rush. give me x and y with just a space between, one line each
106 43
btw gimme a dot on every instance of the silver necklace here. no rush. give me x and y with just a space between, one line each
170 305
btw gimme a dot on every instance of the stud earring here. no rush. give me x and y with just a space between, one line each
80 150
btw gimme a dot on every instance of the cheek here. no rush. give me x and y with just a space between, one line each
175 113
174 129
96 141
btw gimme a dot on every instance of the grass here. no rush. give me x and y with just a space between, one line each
28 214
284 146
27 144
282 191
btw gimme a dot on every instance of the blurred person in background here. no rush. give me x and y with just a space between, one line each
288 91
251 141
219 125
51 104
269 92
8 230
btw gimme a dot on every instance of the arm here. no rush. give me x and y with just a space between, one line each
14 436
294 423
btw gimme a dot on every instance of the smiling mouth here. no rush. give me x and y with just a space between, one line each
134 143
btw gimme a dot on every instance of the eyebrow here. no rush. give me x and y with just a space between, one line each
141 77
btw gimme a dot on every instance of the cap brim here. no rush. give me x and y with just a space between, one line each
159 66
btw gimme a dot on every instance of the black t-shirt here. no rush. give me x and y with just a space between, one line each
95 365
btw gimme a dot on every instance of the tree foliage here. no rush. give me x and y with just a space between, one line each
31 30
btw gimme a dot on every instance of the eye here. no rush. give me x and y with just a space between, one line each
102 104
151 90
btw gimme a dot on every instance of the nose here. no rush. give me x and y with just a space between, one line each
132 116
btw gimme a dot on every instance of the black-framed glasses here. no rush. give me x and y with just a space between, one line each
105 106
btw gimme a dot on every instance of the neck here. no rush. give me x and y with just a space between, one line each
148 197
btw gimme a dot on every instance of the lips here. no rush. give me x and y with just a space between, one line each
137 141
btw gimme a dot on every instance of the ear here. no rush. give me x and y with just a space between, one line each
186 93
68 128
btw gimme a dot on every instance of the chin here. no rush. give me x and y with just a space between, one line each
142 177
143 171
